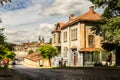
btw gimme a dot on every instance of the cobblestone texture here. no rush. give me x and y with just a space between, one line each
8 74
68 74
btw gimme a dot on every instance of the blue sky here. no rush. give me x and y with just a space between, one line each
26 20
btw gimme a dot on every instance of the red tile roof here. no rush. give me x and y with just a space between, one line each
31 44
61 24
88 16
90 49
56 27
33 56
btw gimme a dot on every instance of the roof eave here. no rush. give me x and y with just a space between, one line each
84 20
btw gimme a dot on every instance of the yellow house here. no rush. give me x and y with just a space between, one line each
76 38
56 41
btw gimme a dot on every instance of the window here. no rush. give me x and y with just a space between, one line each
74 34
65 36
91 39
54 38
65 51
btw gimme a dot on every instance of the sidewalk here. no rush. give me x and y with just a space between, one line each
27 65
8 74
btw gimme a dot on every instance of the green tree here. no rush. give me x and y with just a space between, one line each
2 37
30 51
48 51
111 7
4 1
5 48
109 25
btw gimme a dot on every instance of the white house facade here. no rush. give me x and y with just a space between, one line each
78 40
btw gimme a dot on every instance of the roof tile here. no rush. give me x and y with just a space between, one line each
88 16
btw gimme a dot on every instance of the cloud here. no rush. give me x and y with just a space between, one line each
60 7
27 21
16 35
17 4
44 30
23 16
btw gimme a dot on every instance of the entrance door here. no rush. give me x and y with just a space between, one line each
74 59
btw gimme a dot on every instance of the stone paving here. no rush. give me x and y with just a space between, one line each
31 73
8 74
68 74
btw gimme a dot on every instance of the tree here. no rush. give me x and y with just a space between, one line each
6 53
2 2
48 51
111 7
5 47
109 25
30 51
2 37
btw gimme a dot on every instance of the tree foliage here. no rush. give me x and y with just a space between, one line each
6 53
108 26
2 2
5 48
111 7
48 51
2 37
30 51
109 29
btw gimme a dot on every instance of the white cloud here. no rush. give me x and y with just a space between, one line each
60 7
34 20
16 35
44 30
23 16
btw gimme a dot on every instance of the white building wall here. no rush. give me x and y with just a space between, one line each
69 44
20 54
65 44
77 44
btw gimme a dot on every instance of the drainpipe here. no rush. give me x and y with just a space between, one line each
84 36
69 47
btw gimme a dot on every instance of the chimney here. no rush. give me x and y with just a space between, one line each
71 17
91 8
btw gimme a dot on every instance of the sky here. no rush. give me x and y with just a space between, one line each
26 20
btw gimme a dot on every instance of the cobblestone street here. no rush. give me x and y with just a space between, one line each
8 74
68 74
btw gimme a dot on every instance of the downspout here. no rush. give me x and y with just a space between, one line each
69 46
84 44
84 36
